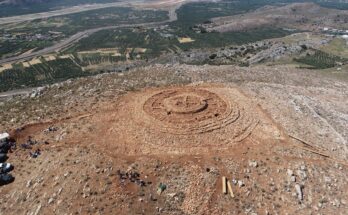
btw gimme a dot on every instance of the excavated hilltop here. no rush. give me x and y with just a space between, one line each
158 140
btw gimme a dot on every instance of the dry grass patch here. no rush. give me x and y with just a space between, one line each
185 40
5 67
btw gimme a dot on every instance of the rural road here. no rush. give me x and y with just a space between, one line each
4 95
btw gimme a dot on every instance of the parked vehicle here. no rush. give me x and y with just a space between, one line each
6 179
5 167
3 157
4 137
4 143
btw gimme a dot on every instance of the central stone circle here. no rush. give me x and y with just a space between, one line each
185 104
190 110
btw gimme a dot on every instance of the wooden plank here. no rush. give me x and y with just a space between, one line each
229 185
316 150
224 188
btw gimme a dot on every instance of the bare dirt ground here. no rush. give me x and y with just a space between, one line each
278 133
302 16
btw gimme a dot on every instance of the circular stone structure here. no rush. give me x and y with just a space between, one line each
179 120
190 110
185 104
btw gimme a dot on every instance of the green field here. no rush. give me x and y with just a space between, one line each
189 15
9 48
157 44
39 74
70 24
73 23
338 46
320 60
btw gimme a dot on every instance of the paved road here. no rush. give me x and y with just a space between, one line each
25 91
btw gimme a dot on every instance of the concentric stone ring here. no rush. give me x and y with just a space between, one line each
182 120
190 110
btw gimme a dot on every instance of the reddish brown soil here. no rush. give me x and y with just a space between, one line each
186 137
